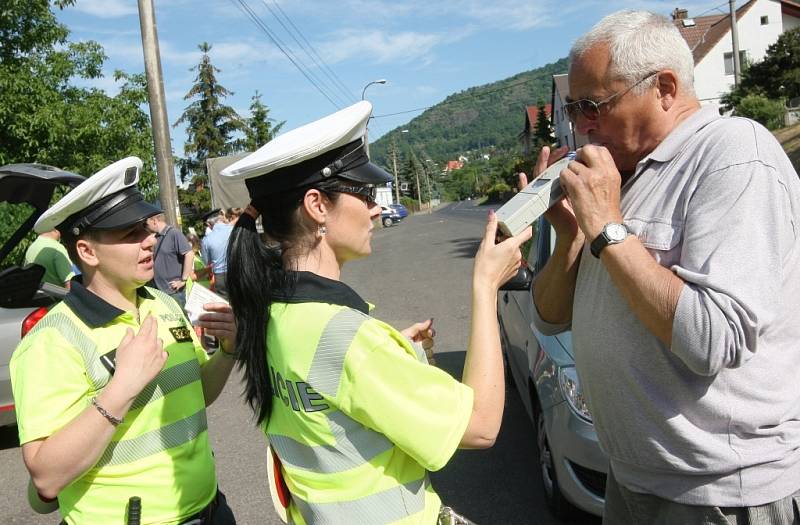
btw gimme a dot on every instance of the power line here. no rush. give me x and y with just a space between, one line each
311 51
247 10
457 98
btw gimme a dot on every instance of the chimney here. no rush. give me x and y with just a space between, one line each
680 14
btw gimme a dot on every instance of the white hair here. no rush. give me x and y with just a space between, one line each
640 43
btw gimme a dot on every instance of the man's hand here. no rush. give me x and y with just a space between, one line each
593 184
218 321
139 358
177 284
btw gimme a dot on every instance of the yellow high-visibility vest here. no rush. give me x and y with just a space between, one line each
358 417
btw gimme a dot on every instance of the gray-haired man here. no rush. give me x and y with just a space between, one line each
679 252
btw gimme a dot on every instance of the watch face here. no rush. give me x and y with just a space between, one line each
616 232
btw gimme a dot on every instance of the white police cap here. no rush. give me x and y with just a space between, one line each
107 200
332 146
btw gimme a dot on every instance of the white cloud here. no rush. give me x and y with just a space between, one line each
107 8
379 46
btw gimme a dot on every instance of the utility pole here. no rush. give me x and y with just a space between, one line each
428 182
737 67
416 174
158 113
396 178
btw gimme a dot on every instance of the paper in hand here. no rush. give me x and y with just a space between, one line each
199 296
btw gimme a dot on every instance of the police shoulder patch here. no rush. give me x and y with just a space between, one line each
181 334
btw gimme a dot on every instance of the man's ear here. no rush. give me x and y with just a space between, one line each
667 85
87 253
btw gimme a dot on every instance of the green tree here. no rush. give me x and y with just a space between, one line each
260 127
543 132
776 77
45 118
210 124
763 110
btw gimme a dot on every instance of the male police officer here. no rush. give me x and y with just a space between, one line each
111 385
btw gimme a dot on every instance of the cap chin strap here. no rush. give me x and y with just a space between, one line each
128 195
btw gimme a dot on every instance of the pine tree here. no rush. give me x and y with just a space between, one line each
260 127
210 124
543 132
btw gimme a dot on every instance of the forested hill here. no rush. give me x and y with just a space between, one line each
474 119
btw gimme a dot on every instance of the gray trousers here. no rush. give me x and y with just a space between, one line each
624 507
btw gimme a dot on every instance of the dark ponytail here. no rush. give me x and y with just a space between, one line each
254 271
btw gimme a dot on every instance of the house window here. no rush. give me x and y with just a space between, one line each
764 20
728 57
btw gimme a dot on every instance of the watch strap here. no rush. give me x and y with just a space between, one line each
602 240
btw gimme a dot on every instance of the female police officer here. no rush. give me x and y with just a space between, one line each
356 416
105 414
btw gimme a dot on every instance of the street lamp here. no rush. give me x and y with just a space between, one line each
379 81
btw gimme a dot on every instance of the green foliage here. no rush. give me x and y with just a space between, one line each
776 77
210 124
763 110
260 127
410 203
484 119
45 118
194 202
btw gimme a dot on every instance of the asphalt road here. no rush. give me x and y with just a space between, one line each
420 268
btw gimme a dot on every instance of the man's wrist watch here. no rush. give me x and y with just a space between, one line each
612 233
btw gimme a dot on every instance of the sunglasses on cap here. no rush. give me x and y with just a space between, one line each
590 109
368 194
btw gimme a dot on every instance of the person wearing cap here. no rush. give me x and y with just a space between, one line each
351 408
214 249
112 384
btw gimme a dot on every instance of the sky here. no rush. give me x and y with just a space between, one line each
425 49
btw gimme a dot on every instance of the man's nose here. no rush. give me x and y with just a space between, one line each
583 125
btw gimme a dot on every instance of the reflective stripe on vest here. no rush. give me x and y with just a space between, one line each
326 368
355 445
76 337
155 441
167 381
382 507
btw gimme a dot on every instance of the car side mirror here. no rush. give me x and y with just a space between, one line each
521 281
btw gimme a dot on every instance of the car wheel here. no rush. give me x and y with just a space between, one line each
558 504
387 222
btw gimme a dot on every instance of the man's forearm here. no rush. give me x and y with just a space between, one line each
215 374
188 265
554 287
651 290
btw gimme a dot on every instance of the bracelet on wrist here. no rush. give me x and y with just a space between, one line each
103 412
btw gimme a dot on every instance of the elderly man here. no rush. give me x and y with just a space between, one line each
214 249
677 267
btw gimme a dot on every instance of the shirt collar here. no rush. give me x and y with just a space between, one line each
312 288
92 309
674 142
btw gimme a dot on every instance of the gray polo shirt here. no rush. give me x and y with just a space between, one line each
715 418
169 251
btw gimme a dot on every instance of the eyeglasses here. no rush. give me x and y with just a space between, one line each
368 194
590 109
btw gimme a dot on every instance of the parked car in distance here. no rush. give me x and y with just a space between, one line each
392 214
25 189
573 468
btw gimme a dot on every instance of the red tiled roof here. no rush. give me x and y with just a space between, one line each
708 31
533 113
790 8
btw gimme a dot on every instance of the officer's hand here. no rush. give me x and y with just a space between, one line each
496 263
422 333
218 320
139 358
593 185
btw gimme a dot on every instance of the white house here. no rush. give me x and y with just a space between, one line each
759 24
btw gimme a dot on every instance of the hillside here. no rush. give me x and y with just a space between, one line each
475 119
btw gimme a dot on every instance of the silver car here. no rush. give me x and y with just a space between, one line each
26 191
573 468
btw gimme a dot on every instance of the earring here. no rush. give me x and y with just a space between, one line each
322 230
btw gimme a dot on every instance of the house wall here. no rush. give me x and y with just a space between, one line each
710 80
790 22
562 127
